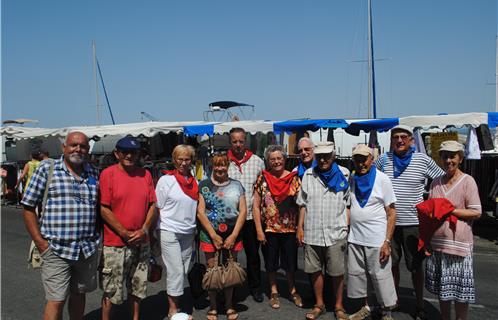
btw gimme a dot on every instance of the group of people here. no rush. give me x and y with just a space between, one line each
350 224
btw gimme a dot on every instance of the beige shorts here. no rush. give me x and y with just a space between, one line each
61 276
366 272
122 265
332 257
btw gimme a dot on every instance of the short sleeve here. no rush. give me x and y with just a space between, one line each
162 190
258 185
106 187
388 192
150 184
472 199
242 190
302 196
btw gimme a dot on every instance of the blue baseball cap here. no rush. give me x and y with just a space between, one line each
128 143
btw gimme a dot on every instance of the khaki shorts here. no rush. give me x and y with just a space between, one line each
61 276
124 264
366 272
332 257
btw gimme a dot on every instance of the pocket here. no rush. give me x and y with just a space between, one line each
45 252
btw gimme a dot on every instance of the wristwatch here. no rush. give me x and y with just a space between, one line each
388 241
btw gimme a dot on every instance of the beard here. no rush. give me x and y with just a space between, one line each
76 158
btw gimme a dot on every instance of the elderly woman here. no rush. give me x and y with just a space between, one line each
177 195
222 213
449 271
275 216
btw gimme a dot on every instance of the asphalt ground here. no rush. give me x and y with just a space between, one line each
22 295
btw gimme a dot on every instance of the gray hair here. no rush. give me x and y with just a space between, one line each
273 148
303 139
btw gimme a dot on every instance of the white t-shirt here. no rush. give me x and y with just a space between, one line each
177 211
368 224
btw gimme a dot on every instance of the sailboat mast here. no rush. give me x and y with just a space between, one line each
371 67
496 76
96 82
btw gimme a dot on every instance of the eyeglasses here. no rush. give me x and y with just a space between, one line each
403 137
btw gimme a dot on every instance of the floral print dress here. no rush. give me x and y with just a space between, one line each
278 217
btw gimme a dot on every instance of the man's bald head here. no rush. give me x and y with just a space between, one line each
76 148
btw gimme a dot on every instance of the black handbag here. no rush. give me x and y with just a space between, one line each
196 274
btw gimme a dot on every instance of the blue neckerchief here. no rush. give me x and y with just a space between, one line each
301 168
363 186
401 163
334 179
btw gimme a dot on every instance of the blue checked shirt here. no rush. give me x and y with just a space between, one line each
69 220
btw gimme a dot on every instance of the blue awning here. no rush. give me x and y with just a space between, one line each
200 129
379 125
492 119
307 125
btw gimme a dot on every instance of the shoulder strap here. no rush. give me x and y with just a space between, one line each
49 180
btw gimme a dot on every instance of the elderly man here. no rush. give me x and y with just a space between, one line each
246 167
128 210
323 225
66 236
408 171
306 156
372 222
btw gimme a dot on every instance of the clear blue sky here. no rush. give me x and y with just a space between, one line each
291 59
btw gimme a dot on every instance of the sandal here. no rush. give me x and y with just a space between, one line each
232 314
212 315
316 312
274 301
340 314
296 298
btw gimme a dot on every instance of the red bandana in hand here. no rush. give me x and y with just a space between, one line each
238 162
431 214
279 187
189 186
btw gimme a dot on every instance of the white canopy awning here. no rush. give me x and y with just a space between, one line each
473 119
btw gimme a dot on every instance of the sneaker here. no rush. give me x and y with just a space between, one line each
363 313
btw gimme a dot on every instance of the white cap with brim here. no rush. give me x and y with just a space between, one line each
362 149
402 127
451 146
324 147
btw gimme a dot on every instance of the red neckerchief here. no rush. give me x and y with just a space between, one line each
279 187
431 215
238 162
189 186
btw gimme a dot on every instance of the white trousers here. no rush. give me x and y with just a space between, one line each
176 251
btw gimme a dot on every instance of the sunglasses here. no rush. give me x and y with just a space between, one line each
403 137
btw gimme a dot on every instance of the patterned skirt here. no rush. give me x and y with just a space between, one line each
450 277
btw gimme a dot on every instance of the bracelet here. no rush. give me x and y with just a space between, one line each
388 241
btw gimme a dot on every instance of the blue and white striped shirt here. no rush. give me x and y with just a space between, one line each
69 220
409 186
